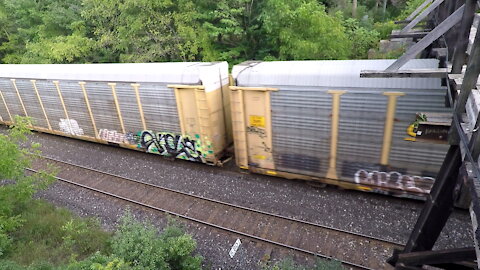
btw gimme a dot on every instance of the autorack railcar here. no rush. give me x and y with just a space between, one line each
318 120
311 120
171 109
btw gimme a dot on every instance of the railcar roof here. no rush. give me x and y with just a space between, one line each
174 72
330 73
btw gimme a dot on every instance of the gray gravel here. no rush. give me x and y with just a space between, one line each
370 214
212 244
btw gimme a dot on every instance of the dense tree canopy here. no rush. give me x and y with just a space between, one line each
86 31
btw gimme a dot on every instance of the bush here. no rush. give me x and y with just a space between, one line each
385 28
410 7
300 30
289 264
99 262
137 243
362 39
17 188
53 234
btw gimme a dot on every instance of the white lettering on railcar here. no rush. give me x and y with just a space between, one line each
70 126
395 180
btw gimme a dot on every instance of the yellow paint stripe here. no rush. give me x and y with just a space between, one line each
6 106
389 119
204 125
117 106
19 97
180 110
82 85
136 87
57 85
41 103
332 168
241 148
268 130
364 188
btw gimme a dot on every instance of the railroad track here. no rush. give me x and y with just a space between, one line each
351 249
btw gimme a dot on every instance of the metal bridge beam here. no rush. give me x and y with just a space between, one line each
422 15
459 56
419 8
438 207
428 39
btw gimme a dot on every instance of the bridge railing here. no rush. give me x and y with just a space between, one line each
451 23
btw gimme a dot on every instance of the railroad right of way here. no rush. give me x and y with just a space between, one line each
301 236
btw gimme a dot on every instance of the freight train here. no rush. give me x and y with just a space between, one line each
310 120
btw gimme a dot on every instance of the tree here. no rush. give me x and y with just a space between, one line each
144 30
232 28
301 29
33 24
17 188
362 38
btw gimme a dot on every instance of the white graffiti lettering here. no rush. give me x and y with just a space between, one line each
395 180
111 136
70 126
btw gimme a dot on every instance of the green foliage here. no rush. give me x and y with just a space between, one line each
410 6
11 265
232 29
18 188
90 31
36 234
99 262
55 235
144 30
137 244
393 54
361 38
299 30
385 28
30 21
61 49
289 264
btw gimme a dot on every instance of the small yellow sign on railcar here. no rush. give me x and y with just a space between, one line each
257 121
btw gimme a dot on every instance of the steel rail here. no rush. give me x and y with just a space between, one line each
207 223
231 205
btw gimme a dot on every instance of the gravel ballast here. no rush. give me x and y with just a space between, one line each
371 214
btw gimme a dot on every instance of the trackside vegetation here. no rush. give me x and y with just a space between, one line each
36 235
289 264
96 31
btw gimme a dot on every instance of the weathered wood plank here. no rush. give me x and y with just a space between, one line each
413 34
460 54
405 73
422 15
438 256
417 10
470 78
428 39
402 22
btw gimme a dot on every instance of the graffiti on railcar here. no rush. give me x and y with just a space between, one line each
174 145
395 180
132 138
118 137
111 136
70 126
256 130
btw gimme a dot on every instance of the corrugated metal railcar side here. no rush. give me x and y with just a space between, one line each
319 120
171 109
